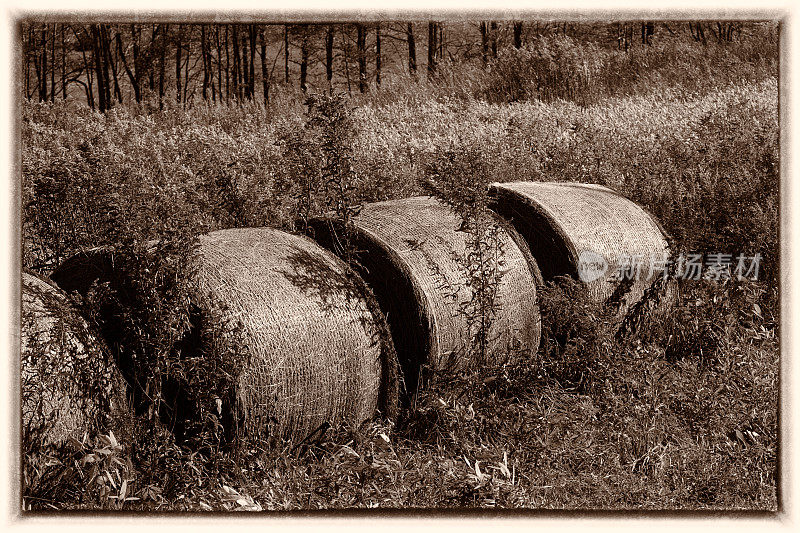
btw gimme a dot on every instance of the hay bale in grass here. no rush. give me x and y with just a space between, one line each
69 383
409 252
320 349
316 346
562 221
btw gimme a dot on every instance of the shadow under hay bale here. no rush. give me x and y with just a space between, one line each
572 226
315 347
411 253
70 385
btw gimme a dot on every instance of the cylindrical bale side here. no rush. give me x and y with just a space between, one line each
412 254
569 226
320 350
317 347
69 383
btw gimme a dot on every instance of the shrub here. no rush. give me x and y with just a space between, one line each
320 155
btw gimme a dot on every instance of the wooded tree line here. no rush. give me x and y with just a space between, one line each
110 64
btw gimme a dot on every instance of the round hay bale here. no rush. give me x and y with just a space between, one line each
317 349
408 251
569 226
69 383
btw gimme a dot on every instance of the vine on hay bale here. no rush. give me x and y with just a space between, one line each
460 180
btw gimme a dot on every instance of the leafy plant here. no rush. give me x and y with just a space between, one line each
460 180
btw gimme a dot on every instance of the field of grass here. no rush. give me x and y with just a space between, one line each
680 413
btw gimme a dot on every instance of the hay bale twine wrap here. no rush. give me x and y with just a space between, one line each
410 252
315 347
591 228
69 383
320 350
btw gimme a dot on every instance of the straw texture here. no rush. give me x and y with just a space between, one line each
408 251
319 349
561 221
69 383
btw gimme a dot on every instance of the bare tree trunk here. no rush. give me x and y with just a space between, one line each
378 54
304 60
286 53
264 74
162 64
345 47
329 57
227 68
26 60
210 63
206 60
53 66
110 63
188 41
245 67
361 50
63 64
34 54
518 35
178 63
433 47
494 39
138 68
89 78
132 76
236 73
104 63
485 42
151 75
253 35
98 65
412 50
219 61
102 74
440 40
43 63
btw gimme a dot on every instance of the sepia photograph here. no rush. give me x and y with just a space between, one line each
471 262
